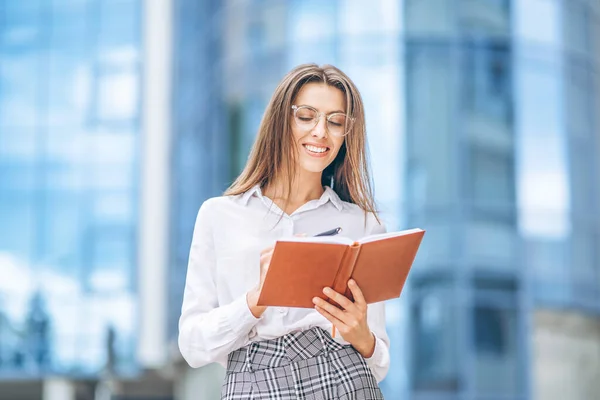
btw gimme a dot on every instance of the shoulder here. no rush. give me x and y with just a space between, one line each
350 209
216 206
218 202
373 223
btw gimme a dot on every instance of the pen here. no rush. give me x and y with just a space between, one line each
331 232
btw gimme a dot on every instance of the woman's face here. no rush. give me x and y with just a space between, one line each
317 147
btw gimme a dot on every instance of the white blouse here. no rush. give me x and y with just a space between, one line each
224 264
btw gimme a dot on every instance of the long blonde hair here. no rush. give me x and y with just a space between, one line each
272 153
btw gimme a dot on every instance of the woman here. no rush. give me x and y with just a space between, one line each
307 173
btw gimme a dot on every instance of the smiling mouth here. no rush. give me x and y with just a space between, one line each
316 149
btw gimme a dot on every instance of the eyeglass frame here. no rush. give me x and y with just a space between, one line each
319 114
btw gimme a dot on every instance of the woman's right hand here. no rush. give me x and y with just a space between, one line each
252 296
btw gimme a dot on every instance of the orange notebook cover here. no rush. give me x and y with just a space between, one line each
302 266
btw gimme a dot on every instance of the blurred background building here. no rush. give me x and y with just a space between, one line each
119 117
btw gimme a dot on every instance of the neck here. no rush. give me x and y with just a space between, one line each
305 186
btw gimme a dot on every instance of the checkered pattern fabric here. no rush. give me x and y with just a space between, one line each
300 365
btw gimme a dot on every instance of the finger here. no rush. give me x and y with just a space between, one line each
339 298
267 250
265 259
340 326
359 298
331 309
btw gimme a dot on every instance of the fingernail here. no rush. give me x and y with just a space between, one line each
315 300
326 290
351 282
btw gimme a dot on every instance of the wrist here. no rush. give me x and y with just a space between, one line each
367 348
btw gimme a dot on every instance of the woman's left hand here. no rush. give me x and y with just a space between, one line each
351 322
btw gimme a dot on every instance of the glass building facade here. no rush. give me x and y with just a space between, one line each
468 327
69 132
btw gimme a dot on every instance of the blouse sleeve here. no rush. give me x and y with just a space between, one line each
208 331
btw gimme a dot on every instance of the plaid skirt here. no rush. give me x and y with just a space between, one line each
300 365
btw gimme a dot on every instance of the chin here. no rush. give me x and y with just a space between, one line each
314 167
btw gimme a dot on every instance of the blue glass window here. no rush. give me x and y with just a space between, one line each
68 160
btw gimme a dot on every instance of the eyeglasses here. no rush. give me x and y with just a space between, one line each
307 117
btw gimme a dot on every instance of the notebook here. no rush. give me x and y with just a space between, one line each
302 266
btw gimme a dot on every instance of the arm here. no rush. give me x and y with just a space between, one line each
379 360
208 332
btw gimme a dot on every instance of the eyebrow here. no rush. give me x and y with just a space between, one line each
331 112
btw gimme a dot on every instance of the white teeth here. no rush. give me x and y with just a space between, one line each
315 149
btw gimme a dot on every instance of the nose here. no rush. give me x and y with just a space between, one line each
320 130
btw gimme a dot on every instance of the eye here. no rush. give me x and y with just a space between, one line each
337 120
305 115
